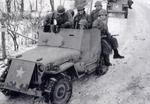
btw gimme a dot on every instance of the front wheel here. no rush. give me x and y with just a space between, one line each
61 91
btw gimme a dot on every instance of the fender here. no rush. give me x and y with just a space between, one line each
65 66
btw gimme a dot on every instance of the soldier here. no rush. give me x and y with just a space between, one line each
94 14
130 2
64 19
71 11
82 19
108 41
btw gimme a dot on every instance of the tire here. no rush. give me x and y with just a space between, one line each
101 69
61 91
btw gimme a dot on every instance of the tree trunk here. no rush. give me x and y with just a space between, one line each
15 6
8 5
30 5
16 46
36 5
3 42
52 4
22 6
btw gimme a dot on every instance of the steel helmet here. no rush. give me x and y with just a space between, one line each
60 9
98 3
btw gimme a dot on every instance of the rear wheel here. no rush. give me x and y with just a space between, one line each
101 67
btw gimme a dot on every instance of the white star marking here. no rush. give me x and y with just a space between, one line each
20 72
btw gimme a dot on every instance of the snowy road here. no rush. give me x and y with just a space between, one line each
128 80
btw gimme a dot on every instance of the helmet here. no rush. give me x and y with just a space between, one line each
103 12
60 9
80 7
98 3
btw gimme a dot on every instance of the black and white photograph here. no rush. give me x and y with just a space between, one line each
74 52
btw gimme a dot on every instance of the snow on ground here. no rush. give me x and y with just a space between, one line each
128 80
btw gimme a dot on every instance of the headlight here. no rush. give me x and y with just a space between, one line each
40 67
6 61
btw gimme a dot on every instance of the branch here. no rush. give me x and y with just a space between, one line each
22 35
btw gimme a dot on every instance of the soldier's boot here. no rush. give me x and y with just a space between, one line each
106 60
117 55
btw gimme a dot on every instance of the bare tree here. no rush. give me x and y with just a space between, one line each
30 6
52 4
2 21
36 5
3 41
80 2
12 24
22 6
8 5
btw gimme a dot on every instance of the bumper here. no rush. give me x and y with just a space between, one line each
31 92
2 85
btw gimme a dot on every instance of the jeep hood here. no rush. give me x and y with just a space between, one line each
54 55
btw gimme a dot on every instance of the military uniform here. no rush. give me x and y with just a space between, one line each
130 2
94 14
82 19
64 20
109 43
79 17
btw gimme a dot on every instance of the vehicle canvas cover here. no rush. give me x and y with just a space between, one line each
19 75
46 55
87 42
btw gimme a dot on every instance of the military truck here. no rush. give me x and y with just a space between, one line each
49 69
118 6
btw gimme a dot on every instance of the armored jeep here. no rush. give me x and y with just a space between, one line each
49 69
118 6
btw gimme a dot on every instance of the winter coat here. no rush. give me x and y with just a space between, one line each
80 17
108 41
63 21
94 15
